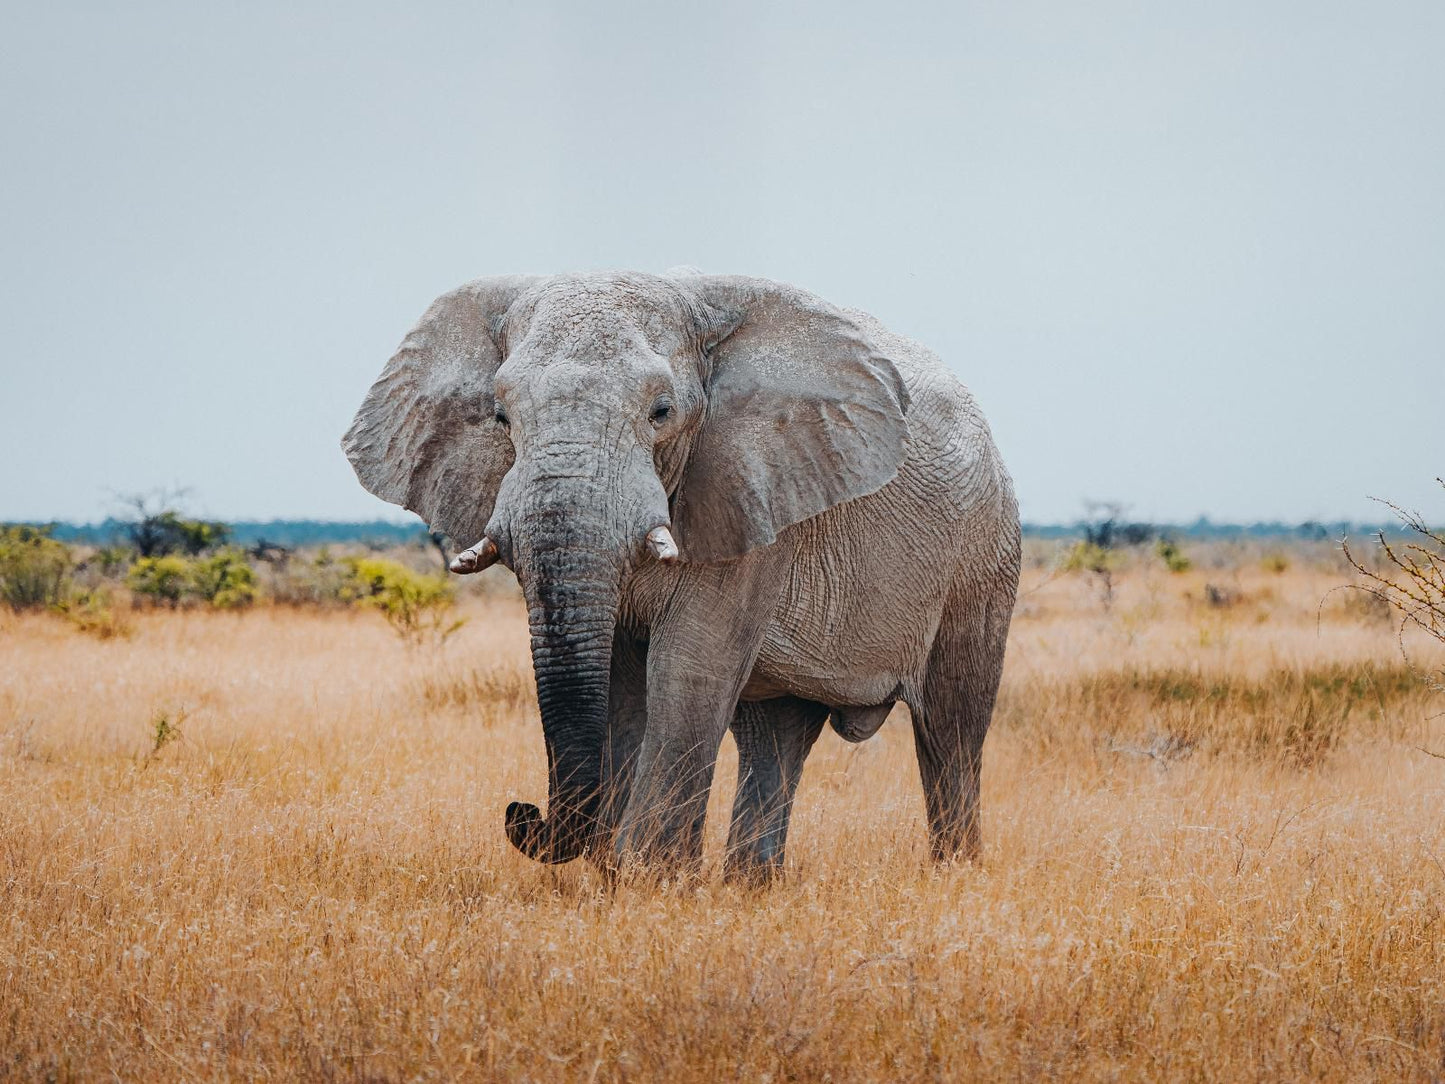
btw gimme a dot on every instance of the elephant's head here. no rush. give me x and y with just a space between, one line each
579 426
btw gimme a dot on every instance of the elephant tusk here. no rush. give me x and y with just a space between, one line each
483 555
659 541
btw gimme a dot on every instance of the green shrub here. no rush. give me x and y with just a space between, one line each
34 568
1090 557
1087 556
1172 556
413 603
93 613
165 728
224 579
160 579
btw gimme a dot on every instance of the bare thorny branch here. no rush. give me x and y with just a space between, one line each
1413 580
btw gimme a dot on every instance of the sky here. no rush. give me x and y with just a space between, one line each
1190 257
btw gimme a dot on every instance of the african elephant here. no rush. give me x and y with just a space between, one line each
728 504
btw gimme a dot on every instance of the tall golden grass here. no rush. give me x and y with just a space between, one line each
269 846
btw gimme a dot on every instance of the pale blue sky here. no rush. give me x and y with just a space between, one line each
1190 256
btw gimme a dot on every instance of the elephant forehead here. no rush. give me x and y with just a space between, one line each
575 381
606 314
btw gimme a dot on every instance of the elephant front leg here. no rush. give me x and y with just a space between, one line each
626 724
773 739
699 656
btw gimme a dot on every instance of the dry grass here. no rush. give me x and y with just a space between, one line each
270 846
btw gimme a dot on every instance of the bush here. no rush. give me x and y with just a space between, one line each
224 579
1103 562
160 579
157 530
1412 575
1090 557
170 532
1173 557
413 603
34 568
93 613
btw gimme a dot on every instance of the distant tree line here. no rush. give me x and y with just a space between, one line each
1113 531
287 533
381 533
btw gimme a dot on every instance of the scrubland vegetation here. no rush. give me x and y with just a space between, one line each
172 562
260 837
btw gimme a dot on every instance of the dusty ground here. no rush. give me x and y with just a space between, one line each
269 846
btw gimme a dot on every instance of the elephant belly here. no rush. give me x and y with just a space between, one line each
847 653
857 618
857 688
784 670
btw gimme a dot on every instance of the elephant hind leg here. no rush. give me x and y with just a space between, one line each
773 739
951 715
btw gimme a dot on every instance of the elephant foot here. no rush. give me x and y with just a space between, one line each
748 872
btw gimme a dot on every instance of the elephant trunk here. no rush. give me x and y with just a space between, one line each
572 598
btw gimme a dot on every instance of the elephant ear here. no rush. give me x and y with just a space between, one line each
425 437
804 412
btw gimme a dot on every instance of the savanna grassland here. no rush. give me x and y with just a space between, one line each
268 845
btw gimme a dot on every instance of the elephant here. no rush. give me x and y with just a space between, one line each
729 504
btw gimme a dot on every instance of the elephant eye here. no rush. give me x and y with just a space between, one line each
661 411
501 415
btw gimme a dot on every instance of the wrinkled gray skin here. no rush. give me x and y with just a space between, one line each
848 533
